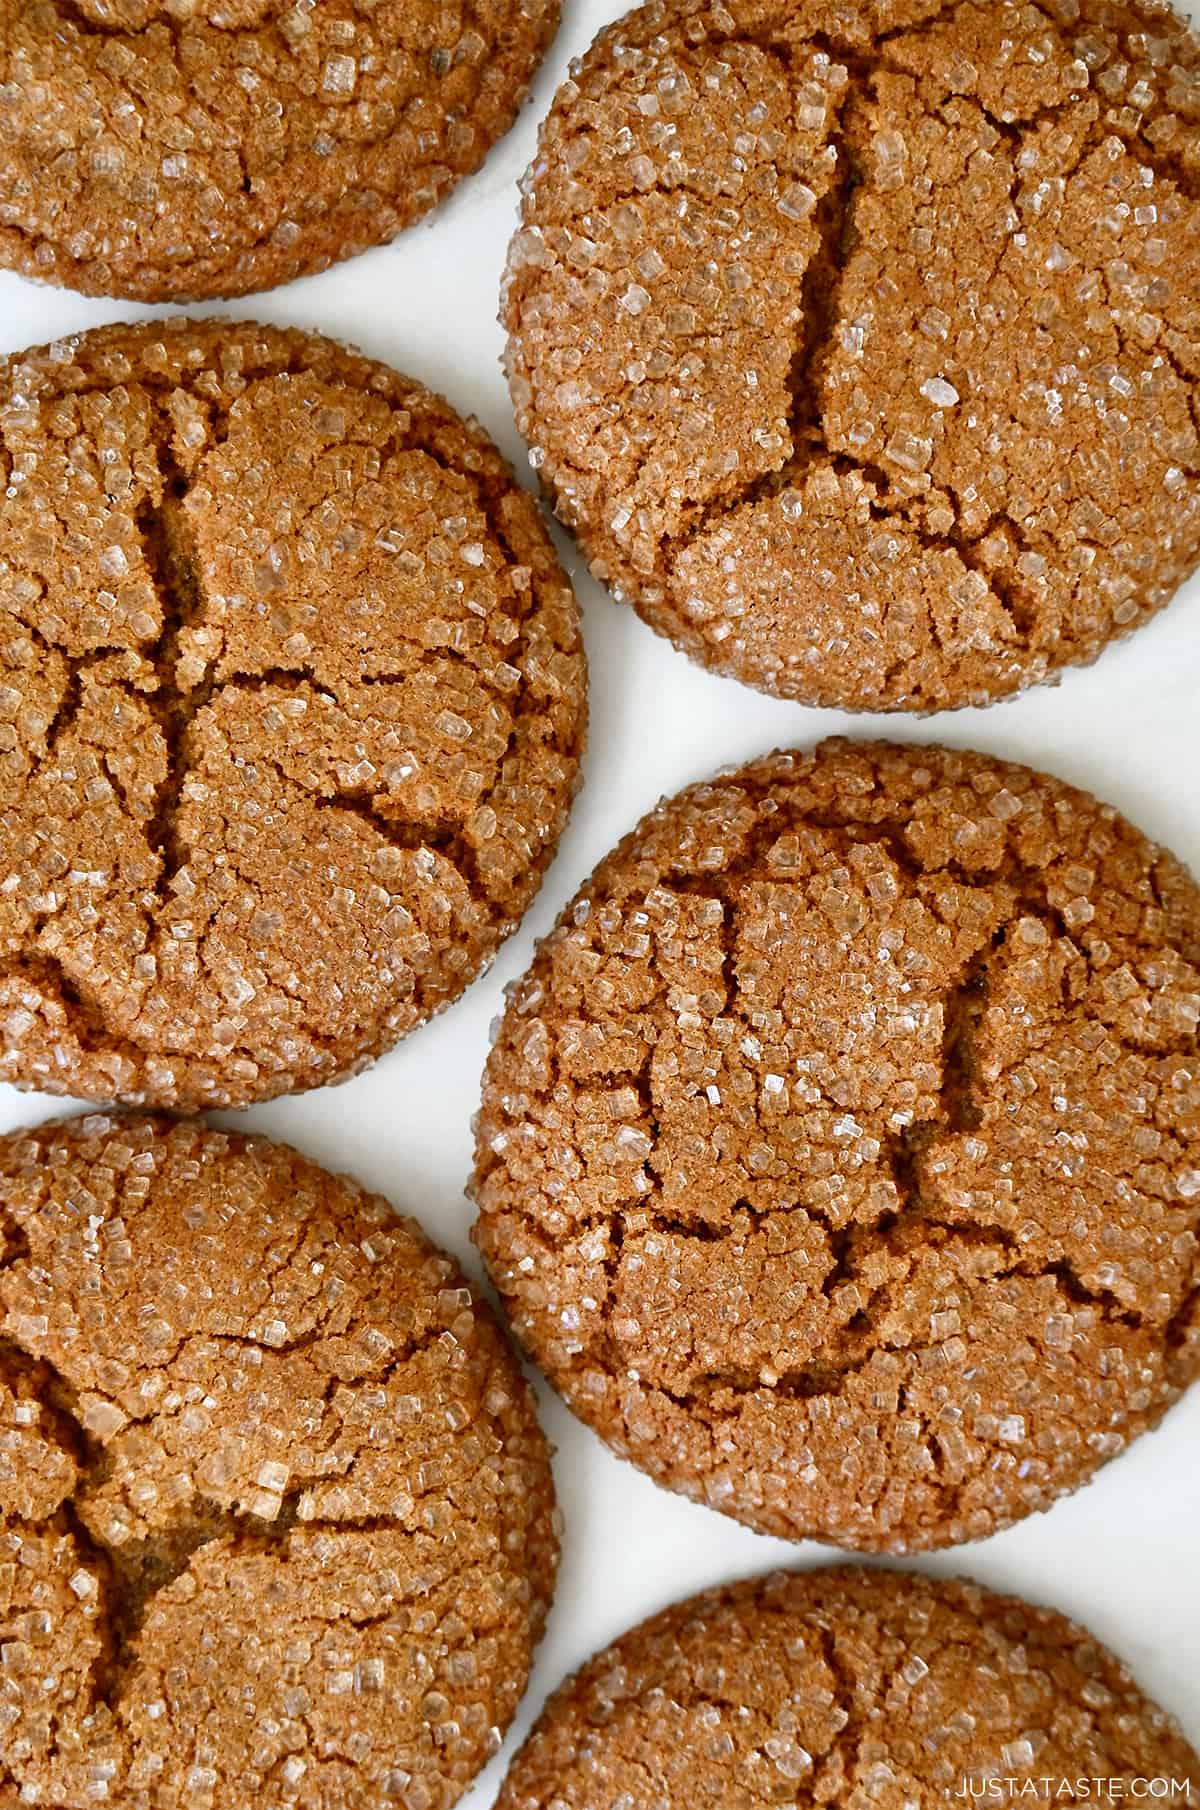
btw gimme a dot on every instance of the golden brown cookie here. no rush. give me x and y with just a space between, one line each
277 1525
861 345
839 1158
167 149
846 1687
292 699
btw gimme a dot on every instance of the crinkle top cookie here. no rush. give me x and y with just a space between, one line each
173 149
839 1157
277 1525
844 1687
861 343
292 699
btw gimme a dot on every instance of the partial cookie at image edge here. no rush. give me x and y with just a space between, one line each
278 1510
844 1685
861 358
269 146
293 717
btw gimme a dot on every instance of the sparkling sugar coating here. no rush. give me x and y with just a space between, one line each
167 149
861 343
292 698
839 1157
868 1690
276 1519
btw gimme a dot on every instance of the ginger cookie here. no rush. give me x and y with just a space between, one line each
292 699
277 1524
845 1686
176 149
861 346
839 1158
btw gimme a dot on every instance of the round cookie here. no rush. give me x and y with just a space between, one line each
292 699
861 347
277 1524
175 149
849 1687
839 1158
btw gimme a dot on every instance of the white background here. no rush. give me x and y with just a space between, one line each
1124 1554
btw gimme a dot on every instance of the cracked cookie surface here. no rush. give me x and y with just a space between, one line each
276 1517
839 1157
861 346
843 1687
292 700
175 149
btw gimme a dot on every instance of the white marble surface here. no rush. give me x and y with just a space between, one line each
1123 1554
